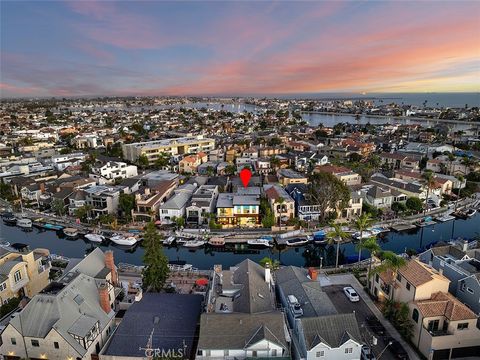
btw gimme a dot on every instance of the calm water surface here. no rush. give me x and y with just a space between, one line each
205 258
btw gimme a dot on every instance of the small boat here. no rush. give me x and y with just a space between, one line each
123 240
4 243
169 241
297 241
259 242
194 243
363 235
96 238
216 241
70 232
426 221
470 212
444 218
10 219
55 227
24 223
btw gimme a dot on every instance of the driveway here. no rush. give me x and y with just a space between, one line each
362 311
365 307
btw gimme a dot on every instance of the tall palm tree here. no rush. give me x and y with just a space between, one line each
371 245
336 235
459 178
362 223
451 158
429 182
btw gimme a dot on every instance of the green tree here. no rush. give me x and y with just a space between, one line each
143 161
391 262
429 182
398 207
6 191
363 222
156 269
83 212
58 206
414 204
329 193
230 170
126 202
272 264
371 245
336 235
162 160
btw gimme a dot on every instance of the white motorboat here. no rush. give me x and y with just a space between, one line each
364 235
24 223
169 240
70 232
470 212
93 237
259 242
124 240
444 218
194 243
297 241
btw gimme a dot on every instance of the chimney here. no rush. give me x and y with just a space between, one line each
104 300
465 245
42 187
268 276
312 273
110 263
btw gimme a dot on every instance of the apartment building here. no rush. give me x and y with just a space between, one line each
174 147
23 272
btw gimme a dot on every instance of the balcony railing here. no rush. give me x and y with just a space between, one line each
435 333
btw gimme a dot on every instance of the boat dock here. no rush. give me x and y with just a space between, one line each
402 227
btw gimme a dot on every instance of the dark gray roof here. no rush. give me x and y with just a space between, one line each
333 330
239 331
314 301
6 267
172 317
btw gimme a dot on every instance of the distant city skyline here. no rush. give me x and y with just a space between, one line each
82 48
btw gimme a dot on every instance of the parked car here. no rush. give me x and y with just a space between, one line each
367 354
351 294
397 349
375 324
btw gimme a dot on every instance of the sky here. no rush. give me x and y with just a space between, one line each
81 48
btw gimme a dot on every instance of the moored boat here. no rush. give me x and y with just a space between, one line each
259 242
444 218
470 212
9 219
70 232
169 241
24 222
194 243
297 241
216 241
124 240
93 237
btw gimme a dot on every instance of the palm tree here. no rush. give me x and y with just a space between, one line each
390 262
337 235
459 178
429 181
371 245
363 222
451 158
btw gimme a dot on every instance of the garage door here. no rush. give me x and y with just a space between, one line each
465 352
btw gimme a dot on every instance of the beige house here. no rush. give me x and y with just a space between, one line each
22 272
72 318
444 328
282 204
288 176
415 281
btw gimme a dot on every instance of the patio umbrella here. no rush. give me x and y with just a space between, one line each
201 282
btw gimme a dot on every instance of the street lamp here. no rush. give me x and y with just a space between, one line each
381 352
321 261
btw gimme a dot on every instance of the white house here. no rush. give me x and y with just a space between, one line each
113 170
176 205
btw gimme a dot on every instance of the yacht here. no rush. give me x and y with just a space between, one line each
169 240
24 223
194 243
96 238
470 212
297 241
259 242
444 218
10 219
123 240
363 235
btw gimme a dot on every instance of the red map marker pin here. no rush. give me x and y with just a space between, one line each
245 176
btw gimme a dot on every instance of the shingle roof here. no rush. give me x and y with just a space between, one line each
445 304
332 330
238 331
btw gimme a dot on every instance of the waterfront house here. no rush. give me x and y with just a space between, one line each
281 203
148 200
202 204
76 200
103 199
237 209
410 189
23 272
462 267
444 328
176 205
71 318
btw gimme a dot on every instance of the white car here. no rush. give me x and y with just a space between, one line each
367 354
351 294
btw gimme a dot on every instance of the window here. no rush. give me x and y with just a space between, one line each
55 345
433 325
415 315
35 343
408 286
462 326
470 290
320 353
348 350
13 341
254 353
3 286
462 286
274 352
399 278
17 276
